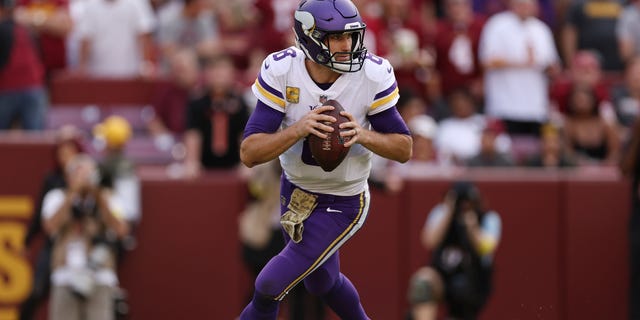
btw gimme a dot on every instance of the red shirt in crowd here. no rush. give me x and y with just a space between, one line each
453 76
170 104
52 47
23 70
561 90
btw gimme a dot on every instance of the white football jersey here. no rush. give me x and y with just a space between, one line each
284 84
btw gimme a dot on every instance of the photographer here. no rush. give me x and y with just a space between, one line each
85 222
462 237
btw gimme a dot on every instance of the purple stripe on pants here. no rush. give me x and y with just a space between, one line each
314 259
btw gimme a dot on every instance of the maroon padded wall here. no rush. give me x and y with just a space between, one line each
372 259
187 265
597 212
527 283
24 161
563 253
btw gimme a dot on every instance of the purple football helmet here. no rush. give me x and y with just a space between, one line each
316 19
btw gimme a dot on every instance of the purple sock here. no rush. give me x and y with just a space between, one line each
344 300
260 308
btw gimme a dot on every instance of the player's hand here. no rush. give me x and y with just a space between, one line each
351 130
313 123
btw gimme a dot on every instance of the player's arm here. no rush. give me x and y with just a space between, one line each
263 141
390 137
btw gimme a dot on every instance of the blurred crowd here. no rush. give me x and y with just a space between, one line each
483 83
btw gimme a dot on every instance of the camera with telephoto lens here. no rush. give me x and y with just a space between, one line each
466 191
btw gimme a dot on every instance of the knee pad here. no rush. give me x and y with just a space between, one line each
420 291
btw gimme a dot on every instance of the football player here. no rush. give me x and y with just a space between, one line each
321 210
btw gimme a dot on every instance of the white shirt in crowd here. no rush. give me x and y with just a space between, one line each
113 28
517 93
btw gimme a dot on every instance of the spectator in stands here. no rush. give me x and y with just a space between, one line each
591 25
424 160
118 172
459 137
171 97
86 221
456 50
401 41
492 153
50 22
590 137
187 24
630 168
462 237
553 150
626 96
240 26
628 31
248 75
72 41
518 52
115 38
371 12
23 101
410 106
546 10
423 129
273 27
584 71
67 147
216 120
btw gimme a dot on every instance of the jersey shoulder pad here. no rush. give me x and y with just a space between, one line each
279 63
377 68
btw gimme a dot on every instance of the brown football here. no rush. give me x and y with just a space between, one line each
330 152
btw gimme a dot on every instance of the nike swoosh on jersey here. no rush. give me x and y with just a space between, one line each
333 210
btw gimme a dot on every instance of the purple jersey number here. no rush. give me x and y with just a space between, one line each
375 59
283 54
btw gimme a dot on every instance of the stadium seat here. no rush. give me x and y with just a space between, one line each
82 116
523 147
137 115
141 149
